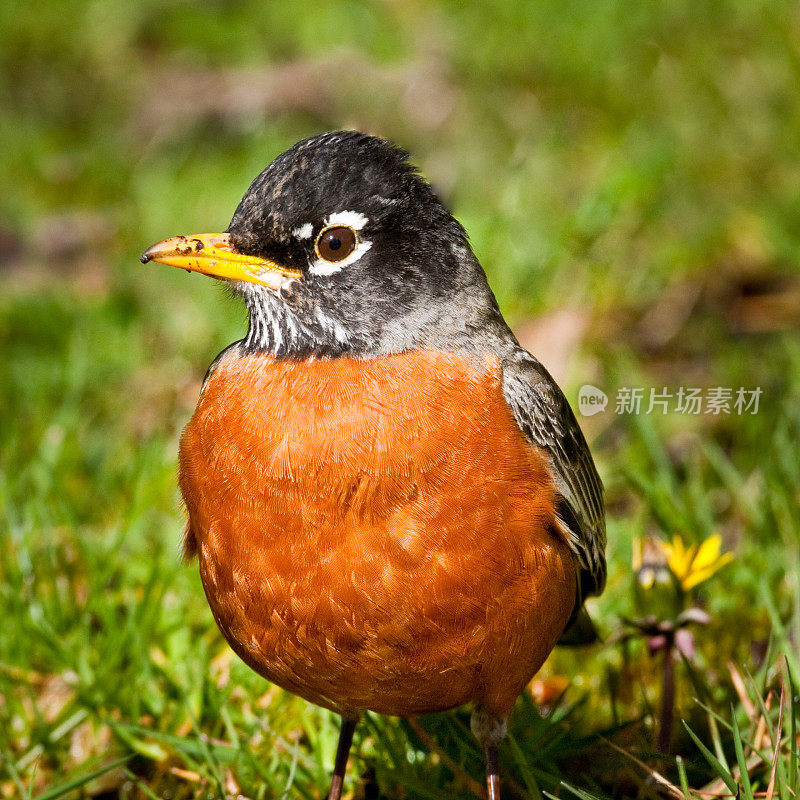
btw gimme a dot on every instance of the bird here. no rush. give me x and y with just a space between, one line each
392 504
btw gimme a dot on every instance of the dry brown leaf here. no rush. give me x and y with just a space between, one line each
554 338
741 690
55 694
186 774
547 691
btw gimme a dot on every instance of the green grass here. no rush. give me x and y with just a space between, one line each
635 163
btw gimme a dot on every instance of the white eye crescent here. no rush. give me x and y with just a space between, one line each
339 244
305 231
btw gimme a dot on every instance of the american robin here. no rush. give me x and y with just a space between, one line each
393 506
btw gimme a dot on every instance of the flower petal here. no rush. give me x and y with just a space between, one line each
708 552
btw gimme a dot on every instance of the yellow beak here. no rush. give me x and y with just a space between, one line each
213 254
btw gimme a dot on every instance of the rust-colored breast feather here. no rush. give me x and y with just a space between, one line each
375 534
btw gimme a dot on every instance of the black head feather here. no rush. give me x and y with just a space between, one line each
415 281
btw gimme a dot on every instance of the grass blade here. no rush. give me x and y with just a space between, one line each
76 783
682 777
522 764
722 773
744 777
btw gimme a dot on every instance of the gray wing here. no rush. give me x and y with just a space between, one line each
544 415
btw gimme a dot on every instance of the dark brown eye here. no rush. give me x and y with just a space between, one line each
335 244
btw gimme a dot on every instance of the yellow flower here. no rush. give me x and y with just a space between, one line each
695 563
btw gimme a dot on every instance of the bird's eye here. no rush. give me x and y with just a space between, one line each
336 243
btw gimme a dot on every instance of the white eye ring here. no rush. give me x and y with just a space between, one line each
348 237
354 222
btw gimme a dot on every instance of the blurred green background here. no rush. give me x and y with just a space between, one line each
629 176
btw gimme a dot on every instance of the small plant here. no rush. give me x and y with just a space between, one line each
666 574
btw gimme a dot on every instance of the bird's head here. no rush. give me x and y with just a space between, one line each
339 247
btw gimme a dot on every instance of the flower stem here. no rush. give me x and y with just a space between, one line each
667 697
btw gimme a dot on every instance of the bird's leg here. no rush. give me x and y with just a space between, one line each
489 731
492 773
342 753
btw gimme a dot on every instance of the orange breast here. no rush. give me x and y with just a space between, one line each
375 534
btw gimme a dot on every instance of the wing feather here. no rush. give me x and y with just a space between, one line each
544 415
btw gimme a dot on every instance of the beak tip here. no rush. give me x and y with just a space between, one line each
144 257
